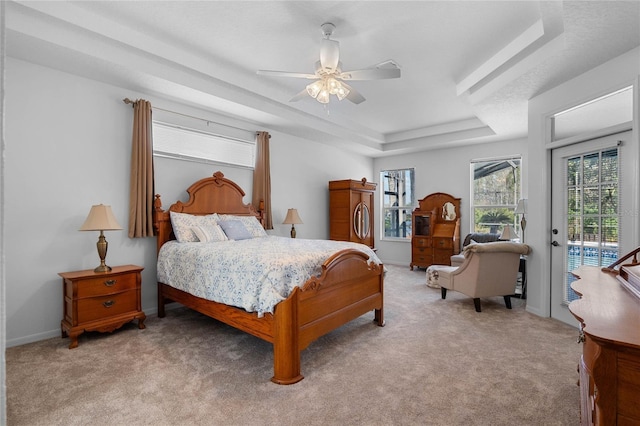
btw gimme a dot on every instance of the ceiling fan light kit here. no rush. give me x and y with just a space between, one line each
321 89
329 75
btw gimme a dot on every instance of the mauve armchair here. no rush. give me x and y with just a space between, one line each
488 269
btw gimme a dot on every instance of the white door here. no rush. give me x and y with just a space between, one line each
591 190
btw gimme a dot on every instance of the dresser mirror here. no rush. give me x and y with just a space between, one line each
448 211
361 220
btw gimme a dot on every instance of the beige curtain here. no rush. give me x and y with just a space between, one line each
262 178
141 184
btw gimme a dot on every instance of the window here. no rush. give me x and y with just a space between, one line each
195 145
398 201
496 191
605 111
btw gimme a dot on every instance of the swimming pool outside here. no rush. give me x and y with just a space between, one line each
590 255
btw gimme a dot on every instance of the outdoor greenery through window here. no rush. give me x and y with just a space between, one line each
398 201
496 191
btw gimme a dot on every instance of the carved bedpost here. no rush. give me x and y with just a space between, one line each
261 212
159 225
286 348
157 210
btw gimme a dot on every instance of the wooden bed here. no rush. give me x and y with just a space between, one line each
347 288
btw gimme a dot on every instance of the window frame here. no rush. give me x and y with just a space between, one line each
513 219
409 207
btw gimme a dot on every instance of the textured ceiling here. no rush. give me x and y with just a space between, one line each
468 68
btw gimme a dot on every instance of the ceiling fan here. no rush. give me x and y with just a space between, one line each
330 79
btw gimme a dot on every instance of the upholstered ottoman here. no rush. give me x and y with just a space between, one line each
432 277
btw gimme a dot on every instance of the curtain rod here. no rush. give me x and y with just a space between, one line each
129 101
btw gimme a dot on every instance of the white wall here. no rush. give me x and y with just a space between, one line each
444 170
3 385
68 147
614 74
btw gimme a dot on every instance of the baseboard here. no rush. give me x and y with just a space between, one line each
394 263
18 341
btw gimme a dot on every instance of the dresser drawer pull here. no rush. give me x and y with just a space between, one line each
108 303
110 283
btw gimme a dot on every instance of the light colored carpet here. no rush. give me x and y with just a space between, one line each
436 362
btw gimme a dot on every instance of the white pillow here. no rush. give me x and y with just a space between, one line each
184 223
209 233
250 222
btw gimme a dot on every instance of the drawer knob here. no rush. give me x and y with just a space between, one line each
108 303
109 283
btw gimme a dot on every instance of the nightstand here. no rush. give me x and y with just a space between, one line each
101 301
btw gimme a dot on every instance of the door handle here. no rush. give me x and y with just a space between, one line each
555 243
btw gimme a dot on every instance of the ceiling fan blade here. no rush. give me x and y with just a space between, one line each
287 74
371 74
329 54
353 95
299 96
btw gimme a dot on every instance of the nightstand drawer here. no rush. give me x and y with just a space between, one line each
106 306
106 285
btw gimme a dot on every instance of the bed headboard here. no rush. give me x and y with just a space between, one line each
215 194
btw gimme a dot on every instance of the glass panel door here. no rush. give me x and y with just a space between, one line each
587 219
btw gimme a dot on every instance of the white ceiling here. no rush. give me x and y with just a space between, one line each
468 68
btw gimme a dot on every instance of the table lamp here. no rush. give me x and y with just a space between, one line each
292 218
101 219
508 233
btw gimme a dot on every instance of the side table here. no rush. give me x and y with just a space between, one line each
100 301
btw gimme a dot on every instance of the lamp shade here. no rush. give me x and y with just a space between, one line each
292 218
521 208
508 233
100 218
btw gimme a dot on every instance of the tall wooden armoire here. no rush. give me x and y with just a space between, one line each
351 211
435 235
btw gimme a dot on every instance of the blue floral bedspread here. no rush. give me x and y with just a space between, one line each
253 274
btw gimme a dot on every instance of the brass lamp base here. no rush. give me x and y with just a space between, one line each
293 231
102 268
102 245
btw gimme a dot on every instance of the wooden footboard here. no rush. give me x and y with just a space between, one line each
347 288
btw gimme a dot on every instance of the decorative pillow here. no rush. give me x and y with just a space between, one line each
209 233
250 222
235 230
183 223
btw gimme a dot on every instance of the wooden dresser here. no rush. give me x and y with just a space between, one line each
435 230
610 364
351 211
100 301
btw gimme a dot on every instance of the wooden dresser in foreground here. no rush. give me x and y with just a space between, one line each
610 364
101 301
